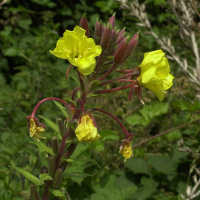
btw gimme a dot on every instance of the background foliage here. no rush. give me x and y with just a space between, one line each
28 73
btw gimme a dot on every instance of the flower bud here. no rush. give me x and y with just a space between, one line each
98 31
51 166
54 143
120 54
120 36
106 36
112 21
34 193
44 170
61 127
57 178
84 24
132 44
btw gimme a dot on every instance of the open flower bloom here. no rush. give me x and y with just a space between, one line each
155 73
35 131
78 49
126 150
86 131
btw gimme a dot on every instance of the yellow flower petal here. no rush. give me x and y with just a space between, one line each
155 73
168 82
86 131
78 49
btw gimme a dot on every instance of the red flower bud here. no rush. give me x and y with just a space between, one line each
98 31
112 21
120 54
132 44
84 24
106 36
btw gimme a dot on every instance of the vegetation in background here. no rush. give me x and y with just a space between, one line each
161 169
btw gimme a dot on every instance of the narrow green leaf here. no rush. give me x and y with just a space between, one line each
50 123
95 83
82 159
97 95
100 117
62 108
58 193
28 175
42 147
75 79
45 177
76 174
70 100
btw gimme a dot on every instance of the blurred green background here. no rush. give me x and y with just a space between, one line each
29 73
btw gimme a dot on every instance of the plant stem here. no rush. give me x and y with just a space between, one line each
113 89
47 99
115 118
115 79
163 133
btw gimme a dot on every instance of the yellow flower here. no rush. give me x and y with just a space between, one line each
155 73
35 131
78 49
126 150
86 131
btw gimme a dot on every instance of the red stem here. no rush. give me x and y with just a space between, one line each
47 99
116 79
68 70
108 72
113 89
74 92
115 118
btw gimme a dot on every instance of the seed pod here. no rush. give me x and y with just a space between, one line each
51 166
34 193
54 143
69 151
57 178
61 127
44 170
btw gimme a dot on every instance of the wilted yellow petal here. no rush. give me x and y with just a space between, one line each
86 131
127 151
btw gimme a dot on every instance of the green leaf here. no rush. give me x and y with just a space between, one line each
70 100
95 83
62 108
75 79
97 95
137 119
28 175
45 177
50 123
154 109
82 159
42 147
163 164
58 193
76 175
138 165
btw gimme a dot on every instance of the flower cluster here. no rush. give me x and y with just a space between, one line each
99 57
